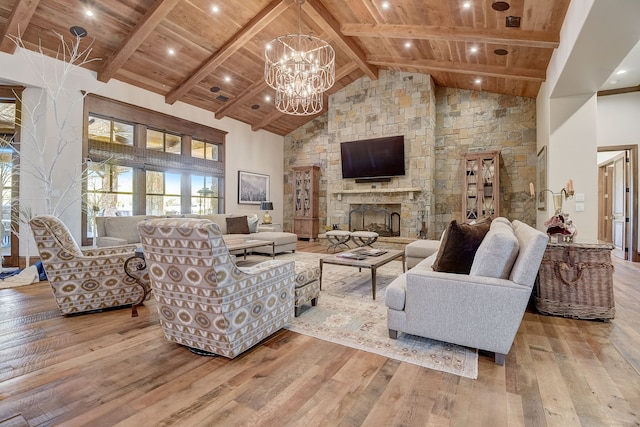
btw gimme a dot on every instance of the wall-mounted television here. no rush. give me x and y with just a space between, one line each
373 158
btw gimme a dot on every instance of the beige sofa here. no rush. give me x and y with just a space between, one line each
482 309
122 230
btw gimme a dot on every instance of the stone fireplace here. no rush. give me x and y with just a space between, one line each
390 212
383 219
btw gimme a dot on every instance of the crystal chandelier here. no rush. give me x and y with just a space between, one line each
300 68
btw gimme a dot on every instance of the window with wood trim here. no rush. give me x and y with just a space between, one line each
149 163
10 129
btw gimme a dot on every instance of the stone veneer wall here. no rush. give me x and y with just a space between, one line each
398 103
439 125
471 120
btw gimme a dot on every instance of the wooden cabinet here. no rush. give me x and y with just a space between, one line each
481 185
306 180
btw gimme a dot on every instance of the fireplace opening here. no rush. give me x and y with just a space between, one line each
382 219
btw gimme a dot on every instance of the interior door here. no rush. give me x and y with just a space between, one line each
620 205
605 210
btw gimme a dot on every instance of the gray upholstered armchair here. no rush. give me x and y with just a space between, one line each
85 280
205 302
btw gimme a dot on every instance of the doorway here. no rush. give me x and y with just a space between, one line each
617 200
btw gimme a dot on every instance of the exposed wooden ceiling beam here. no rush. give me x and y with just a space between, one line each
18 21
452 67
540 39
341 73
253 27
130 44
322 17
257 87
619 91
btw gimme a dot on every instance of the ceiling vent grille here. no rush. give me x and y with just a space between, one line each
513 21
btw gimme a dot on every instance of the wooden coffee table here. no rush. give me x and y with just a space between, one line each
370 262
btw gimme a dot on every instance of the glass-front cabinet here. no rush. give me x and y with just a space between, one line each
306 180
481 185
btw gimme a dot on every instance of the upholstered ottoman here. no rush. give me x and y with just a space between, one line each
307 288
364 238
337 238
416 251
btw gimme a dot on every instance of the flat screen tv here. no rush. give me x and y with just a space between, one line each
373 158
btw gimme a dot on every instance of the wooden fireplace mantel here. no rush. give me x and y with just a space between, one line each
409 190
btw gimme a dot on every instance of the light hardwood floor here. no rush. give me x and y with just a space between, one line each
108 368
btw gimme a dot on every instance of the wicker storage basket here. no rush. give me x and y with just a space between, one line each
576 280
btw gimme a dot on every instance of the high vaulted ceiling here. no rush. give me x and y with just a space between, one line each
218 46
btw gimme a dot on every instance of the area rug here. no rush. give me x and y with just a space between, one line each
346 314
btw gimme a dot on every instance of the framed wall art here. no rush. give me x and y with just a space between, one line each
541 179
253 188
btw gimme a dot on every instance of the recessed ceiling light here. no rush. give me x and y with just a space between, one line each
171 51
227 79
267 98
88 12
78 31
407 44
385 5
215 9
466 5
478 81
500 6
621 72
474 49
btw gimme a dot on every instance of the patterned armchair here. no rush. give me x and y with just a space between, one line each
206 302
85 280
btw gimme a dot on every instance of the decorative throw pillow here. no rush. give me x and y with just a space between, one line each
497 253
237 225
459 246
253 224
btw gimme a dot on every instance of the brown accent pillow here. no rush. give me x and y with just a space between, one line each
237 225
459 246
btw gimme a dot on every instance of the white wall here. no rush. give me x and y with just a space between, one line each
594 39
618 119
618 124
260 152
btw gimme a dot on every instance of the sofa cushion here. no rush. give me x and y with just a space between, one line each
497 252
124 227
459 246
253 223
237 225
220 219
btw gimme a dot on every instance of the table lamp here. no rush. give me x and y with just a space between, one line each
266 206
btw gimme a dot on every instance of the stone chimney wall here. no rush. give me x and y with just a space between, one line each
439 126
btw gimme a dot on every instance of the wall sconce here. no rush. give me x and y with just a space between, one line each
566 193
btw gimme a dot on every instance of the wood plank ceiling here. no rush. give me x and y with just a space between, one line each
218 46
